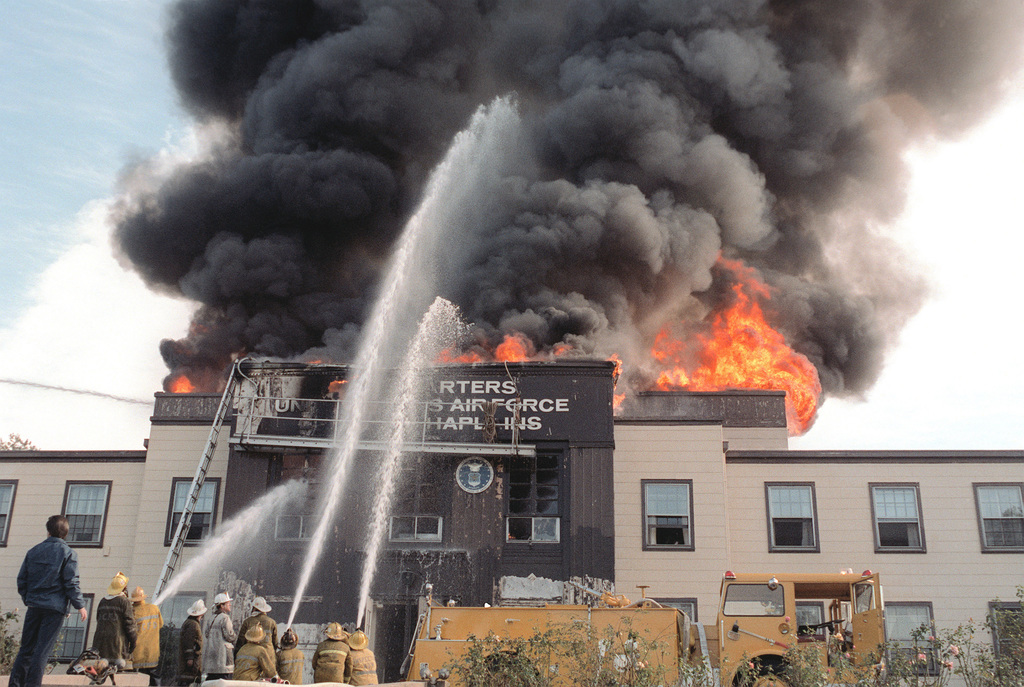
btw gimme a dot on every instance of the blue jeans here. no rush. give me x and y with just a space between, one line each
38 636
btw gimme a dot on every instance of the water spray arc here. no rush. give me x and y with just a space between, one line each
236 534
475 153
437 331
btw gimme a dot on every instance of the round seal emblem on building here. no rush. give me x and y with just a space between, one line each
474 475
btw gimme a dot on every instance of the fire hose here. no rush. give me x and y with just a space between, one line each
736 629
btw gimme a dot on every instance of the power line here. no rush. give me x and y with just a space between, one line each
84 392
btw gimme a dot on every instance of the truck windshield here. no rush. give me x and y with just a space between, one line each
864 596
753 599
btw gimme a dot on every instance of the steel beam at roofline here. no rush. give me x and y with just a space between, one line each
258 443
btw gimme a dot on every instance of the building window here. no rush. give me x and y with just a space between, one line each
85 505
71 638
686 605
415 528
533 499
1006 619
668 514
417 507
908 624
294 527
200 527
897 516
1000 516
792 521
7 489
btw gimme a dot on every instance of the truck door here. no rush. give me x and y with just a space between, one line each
867 622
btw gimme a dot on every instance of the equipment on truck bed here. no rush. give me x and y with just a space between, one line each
835 619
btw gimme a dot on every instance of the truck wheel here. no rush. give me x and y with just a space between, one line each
769 680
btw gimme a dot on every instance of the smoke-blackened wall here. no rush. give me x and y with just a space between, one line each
655 136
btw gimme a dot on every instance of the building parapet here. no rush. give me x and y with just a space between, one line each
875 456
183 409
733 408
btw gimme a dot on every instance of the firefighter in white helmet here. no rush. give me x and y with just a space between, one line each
219 656
260 609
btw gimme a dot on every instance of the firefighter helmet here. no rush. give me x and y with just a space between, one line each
255 634
260 604
357 640
139 595
197 609
289 639
335 631
117 584
221 598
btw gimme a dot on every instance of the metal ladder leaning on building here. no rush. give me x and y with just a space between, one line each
181 533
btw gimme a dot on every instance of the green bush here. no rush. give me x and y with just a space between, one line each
9 643
569 655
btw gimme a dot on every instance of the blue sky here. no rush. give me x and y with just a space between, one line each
84 89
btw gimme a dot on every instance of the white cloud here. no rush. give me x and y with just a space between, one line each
92 326
956 381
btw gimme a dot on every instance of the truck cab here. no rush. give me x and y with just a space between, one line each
758 623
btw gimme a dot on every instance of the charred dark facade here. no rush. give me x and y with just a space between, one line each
548 511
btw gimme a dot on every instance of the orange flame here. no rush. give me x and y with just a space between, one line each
449 356
181 385
742 351
617 399
514 349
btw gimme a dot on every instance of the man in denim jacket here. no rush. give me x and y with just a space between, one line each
48 584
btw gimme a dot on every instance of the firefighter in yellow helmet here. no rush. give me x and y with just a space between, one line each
361 666
255 660
331 655
260 609
290 659
146 656
116 631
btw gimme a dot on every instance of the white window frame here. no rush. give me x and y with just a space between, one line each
417 536
906 644
990 487
8 490
769 489
649 528
306 523
535 521
70 487
885 511
185 484
74 622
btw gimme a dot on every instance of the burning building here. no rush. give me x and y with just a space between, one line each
663 155
519 478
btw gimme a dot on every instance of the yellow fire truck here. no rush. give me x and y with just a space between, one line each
755 630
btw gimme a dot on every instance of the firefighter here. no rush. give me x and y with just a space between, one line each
291 662
255 660
330 657
219 657
149 620
260 608
360 666
116 631
190 650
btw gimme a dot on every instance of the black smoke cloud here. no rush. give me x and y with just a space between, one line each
659 134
